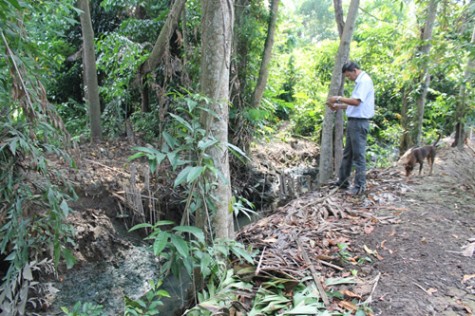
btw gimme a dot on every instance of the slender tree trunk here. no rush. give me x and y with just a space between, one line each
240 132
264 69
339 16
163 40
217 30
462 108
326 149
425 50
339 124
91 87
159 49
406 141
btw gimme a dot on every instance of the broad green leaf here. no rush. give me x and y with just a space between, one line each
160 243
206 143
242 254
194 173
237 152
205 265
180 245
169 140
182 176
136 156
141 225
197 232
182 122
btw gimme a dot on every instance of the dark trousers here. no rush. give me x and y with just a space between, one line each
355 152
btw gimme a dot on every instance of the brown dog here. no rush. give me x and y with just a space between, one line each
417 155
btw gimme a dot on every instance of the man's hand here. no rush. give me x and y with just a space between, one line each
334 99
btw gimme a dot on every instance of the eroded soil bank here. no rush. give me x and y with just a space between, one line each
409 243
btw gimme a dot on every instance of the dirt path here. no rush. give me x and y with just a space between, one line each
426 261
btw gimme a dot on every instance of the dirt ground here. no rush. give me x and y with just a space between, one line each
410 241
426 262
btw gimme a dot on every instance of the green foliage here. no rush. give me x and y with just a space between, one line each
34 195
147 305
75 118
120 58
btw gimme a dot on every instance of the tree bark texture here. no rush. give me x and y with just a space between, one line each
266 57
91 87
217 30
426 36
162 42
462 107
339 123
241 132
326 170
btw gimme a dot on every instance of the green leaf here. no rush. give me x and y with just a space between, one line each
15 3
206 143
242 254
182 176
205 265
13 146
302 310
141 225
169 140
69 258
65 208
194 173
182 122
180 245
238 153
197 232
136 156
160 243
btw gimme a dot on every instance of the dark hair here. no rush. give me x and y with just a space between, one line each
349 66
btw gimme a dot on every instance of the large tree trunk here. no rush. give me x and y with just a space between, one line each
91 87
217 30
462 108
426 36
326 170
264 69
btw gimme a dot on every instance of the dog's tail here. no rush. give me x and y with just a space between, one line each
435 143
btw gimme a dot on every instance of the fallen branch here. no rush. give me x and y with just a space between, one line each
370 297
315 275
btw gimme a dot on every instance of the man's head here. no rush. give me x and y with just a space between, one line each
351 70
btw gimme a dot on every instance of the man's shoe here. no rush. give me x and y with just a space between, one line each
355 191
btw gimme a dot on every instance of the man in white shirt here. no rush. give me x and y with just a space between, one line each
359 110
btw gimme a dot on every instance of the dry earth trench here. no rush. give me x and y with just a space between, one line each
409 243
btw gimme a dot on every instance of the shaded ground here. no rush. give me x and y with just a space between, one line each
409 243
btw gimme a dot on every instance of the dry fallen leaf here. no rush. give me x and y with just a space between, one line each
469 249
468 277
350 294
431 290
348 305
